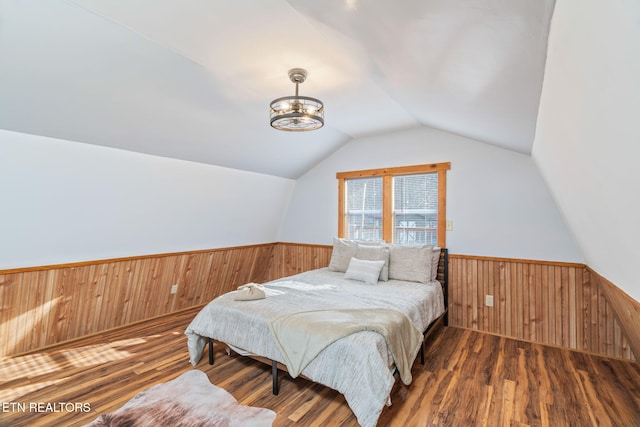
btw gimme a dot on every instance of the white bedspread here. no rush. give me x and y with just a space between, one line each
357 365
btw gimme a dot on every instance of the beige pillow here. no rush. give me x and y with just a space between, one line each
435 260
410 263
343 251
375 253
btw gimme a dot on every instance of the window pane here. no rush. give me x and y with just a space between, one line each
415 209
364 208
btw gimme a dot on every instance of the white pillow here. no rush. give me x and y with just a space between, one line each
364 270
410 263
343 251
375 253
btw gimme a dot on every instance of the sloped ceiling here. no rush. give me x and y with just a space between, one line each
192 79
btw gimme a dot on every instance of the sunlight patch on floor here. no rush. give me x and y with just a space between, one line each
14 394
39 364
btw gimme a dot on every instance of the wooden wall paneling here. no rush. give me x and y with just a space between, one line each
523 306
564 283
293 258
155 298
290 259
222 278
525 297
586 320
20 294
62 293
538 318
79 313
45 305
544 304
593 317
42 324
167 272
158 275
33 297
240 263
463 294
99 301
519 304
506 271
529 296
276 266
572 314
213 281
498 277
475 298
123 296
625 310
455 299
579 310
487 315
261 264
25 293
112 290
559 304
161 275
602 321
467 316
218 271
191 288
10 314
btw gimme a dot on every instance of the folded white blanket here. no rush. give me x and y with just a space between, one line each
250 292
302 336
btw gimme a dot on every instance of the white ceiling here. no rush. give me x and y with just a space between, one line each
192 79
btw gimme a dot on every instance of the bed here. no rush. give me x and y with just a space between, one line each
360 365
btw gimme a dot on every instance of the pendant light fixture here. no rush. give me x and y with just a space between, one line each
296 113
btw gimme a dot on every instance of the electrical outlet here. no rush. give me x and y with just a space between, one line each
174 289
449 225
488 300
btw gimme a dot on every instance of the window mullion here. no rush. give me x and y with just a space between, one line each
387 208
442 209
341 208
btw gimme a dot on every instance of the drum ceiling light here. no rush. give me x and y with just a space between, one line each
296 113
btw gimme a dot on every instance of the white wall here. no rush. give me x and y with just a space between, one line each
587 143
497 200
62 202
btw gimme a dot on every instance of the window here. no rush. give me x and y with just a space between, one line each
404 205
364 208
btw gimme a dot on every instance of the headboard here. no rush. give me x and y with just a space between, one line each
443 278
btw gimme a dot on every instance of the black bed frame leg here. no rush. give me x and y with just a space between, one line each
210 351
274 376
422 353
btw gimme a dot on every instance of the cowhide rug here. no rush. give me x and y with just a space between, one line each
187 401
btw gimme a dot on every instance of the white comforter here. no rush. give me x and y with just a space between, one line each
358 365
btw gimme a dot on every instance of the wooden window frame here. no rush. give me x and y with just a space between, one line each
387 175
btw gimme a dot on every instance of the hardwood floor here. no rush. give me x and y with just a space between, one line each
469 379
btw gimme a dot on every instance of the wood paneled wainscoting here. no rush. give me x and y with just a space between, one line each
559 304
41 306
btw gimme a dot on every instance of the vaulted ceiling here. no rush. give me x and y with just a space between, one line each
192 79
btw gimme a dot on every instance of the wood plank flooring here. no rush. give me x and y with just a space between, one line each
469 379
